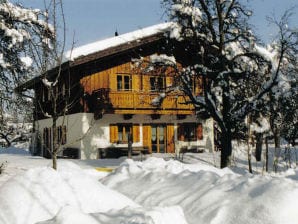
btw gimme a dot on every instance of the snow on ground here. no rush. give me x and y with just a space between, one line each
155 191
207 195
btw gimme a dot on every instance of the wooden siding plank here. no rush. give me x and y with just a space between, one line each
113 133
170 138
139 99
147 136
136 132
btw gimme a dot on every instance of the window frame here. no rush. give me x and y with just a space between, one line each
184 130
154 82
123 82
61 134
114 133
125 129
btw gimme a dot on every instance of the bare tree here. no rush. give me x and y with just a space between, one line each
283 98
52 81
218 47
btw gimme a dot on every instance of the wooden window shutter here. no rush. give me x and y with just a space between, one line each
113 133
147 136
58 134
200 131
136 133
170 138
44 138
49 139
63 135
180 132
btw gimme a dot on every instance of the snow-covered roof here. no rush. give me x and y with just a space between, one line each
102 48
116 41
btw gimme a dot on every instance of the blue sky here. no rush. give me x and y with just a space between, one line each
91 20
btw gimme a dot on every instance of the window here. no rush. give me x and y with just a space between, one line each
119 133
157 83
61 135
47 138
190 132
123 131
47 142
123 82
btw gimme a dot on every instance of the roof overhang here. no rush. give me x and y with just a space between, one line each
50 73
106 52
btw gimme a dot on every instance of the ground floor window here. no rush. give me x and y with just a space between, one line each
119 133
123 131
47 142
48 138
190 132
61 135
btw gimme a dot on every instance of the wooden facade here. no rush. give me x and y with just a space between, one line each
121 90
108 84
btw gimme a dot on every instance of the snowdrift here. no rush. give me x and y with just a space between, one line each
151 192
71 195
207 194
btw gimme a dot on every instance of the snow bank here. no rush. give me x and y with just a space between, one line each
72 196
71 215
151 192
207 194
40 193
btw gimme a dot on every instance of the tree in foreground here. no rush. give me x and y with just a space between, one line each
54 102
49 66
219 48
21 29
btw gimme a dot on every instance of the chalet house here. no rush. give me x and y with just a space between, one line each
109 97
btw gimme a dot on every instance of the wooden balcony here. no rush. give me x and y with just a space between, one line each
134 102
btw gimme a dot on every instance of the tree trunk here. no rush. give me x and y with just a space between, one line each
55 143
129 146
8 143
54 160
248 144
277 139
249 155
226 152
267 154
277 149
259 143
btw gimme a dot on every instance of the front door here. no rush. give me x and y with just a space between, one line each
158 138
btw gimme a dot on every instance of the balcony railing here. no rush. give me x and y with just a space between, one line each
135 100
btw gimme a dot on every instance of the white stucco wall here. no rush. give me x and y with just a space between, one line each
87 134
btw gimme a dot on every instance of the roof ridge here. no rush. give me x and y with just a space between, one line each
106 43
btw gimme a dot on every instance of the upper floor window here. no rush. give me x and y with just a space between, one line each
123 82
157 83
